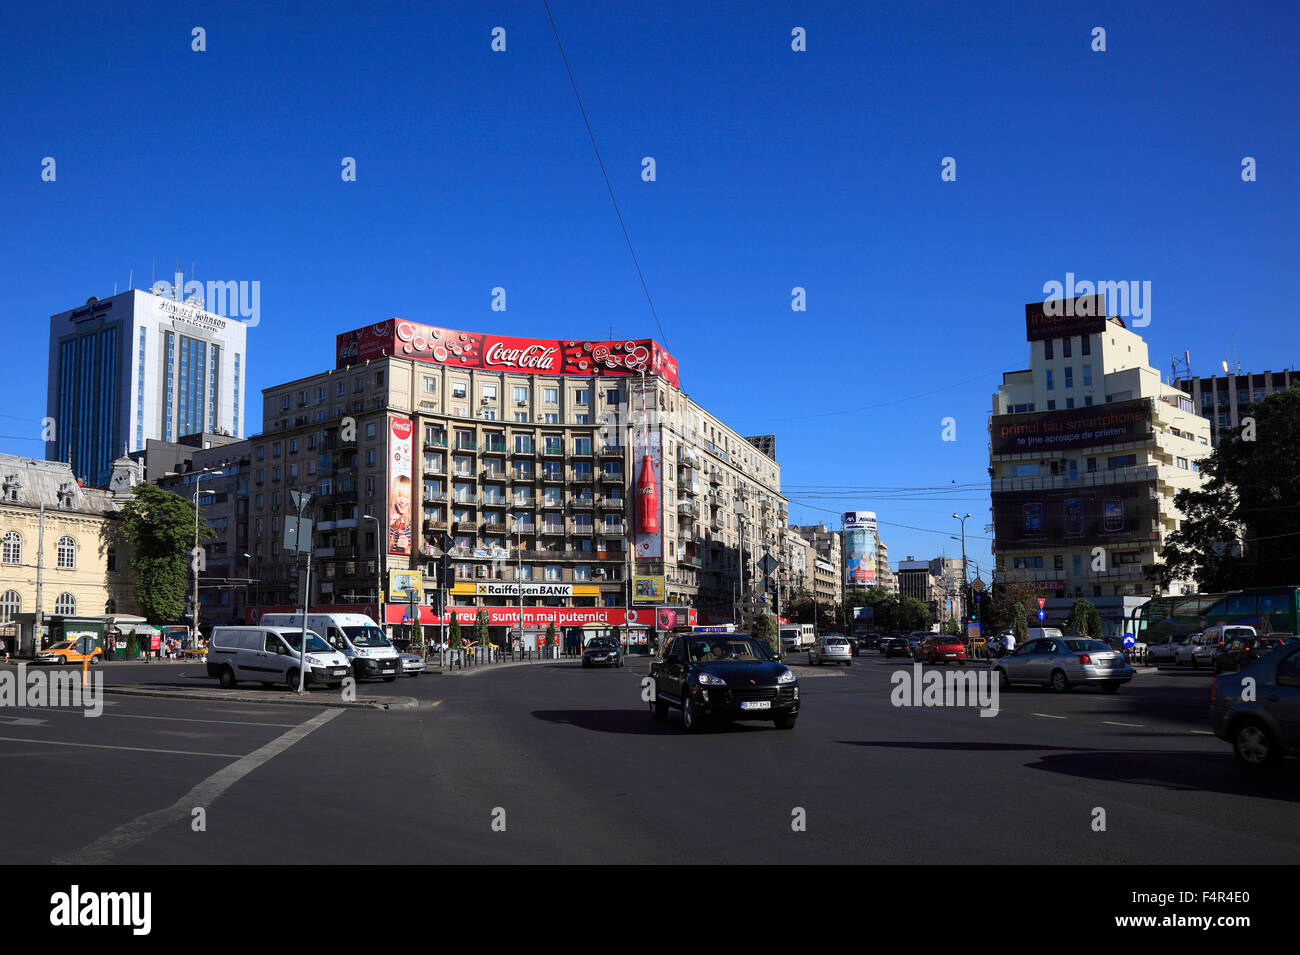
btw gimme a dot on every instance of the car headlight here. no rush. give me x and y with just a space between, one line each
313 662
786 677
708 679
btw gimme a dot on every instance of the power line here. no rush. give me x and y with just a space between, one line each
592 136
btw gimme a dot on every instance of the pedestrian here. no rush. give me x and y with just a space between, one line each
1010 641
4 648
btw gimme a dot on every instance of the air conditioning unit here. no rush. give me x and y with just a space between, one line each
521 404
485 401
540 417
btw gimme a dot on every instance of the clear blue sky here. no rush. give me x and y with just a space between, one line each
775 169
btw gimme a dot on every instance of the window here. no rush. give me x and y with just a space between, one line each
1085 343
358 383
581 396
11 604
110 559
275 450
459 389
521 394
552 572
1087 401
582 572
551 396
67 550
1065 347
1181 463
1069 376
370 461
1121 461
13 548
1024 470
1069 402
1047 350
66 605
1051 404
611 397
1076 562
293 445
582 444
1087 376
1051 380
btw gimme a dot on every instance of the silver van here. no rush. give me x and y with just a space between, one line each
270 655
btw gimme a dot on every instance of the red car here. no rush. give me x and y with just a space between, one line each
941 648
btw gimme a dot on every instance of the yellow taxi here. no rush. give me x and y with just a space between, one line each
72 651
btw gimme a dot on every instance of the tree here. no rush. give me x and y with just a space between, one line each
159 528
999 614
481 628
765 628
1094 622
1241 527
1019 623
1079 619
455 638
952 628
417 635
551 638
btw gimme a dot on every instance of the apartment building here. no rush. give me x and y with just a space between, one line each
1223 399
562 467
828 569
1088 447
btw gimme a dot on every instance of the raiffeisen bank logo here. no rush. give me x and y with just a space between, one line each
961 687
76 908
239 301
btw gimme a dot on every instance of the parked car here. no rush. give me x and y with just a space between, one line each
604 653
894 646
1064 662
370 654
914 640
1264 728
1243 650
730 676
831 649
1161 649
270 655
412 664
1184 653
76 651
941 648
1212 642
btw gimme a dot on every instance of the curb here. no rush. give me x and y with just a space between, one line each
374 703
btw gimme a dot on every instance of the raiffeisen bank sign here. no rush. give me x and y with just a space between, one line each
541 356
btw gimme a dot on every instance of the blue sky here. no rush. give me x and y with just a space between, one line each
776 169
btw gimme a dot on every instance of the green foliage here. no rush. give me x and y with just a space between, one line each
158 526
455 638
481 628
1094 622
551 639
1079 619
417 634
951 627
1241 528
132 646
1019 622
765 629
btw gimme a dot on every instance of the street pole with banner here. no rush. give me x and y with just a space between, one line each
379 580
300 501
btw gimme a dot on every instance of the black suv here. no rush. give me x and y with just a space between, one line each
729 676
602 652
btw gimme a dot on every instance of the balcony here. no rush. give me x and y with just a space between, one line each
586 502
467 526
524 451
607 478
494 448
435 444
553 530
581 530
527 477
688 509
1140 473
613 503
494 474
494 526
687 459
614 530
581 451
611 451
465 445
578 478
523 527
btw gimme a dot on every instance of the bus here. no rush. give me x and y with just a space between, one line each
1267 609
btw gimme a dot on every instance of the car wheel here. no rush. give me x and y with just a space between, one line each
1195 665
1253 745
848 663
291 679
1004 681
785 722
586 664
94 661
690 719
1110 688
227 678
1059 681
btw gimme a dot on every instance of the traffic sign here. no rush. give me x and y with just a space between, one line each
1042 615
1041 602
768 564
979 598
1129 641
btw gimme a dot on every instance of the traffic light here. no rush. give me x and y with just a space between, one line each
189 605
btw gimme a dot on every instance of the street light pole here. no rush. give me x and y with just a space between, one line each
379 566
194 554
965 587
301 499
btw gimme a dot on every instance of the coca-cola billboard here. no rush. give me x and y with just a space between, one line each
446 346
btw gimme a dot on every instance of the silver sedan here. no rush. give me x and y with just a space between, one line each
831 650
1063 662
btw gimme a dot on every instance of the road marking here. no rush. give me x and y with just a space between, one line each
204 794
1200 732
21 721
133 749
1113 723
1049 716
176 719
436 703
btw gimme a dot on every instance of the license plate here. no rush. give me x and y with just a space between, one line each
386 670
338 672
757 705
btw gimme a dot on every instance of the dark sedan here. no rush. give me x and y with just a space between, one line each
1264 724
602 653
895 647
729 676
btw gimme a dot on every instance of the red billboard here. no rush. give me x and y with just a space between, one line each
540 356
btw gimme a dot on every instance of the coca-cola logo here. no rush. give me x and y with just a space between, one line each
530 356
401 428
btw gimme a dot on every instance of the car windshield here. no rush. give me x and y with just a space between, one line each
62 646
725 648
600 645
834 641
1087 646
366 636
314 643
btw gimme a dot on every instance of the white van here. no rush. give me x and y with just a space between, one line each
270 655
355 635
795 636
1044 633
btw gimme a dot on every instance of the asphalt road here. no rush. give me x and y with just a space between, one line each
548 762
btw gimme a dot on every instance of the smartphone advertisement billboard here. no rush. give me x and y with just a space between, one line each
1117 512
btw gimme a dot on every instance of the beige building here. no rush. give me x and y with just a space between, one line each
55 537
1088 447
828 568
532 475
